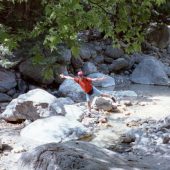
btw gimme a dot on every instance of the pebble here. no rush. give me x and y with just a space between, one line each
18 149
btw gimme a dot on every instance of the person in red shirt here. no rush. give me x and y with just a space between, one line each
86 85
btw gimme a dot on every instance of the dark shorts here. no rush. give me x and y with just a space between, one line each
95 91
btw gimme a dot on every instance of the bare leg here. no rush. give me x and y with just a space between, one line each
89 106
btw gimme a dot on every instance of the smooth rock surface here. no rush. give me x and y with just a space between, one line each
7 80
4 97
150 71
113 52
54 129
34 72
89 68
71 155
102 103
32 105
71 89
108 82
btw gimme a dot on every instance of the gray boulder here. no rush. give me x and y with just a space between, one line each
103 68
159 36
34 72
136 58
167 70
76 62
102 103
4 98
64 56
71 89
98 59
113 52
118 64
60 69
54 129
150 71
108 82
86 52
7 80
108 60
11 92
32 105
89 68
76 155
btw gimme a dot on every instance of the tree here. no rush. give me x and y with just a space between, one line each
58 21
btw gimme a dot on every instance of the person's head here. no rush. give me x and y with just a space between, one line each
80 74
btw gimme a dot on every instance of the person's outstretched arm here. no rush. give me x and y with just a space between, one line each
98 79
66 77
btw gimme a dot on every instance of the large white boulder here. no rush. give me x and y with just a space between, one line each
54 129
33 105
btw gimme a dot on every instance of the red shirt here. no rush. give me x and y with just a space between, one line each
85 83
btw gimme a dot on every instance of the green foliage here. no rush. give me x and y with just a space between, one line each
60 21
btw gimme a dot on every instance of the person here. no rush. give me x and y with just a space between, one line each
86 85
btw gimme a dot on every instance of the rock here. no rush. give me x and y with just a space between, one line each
32 105
59 105
103 68
136 58
113 52
143 103
71 89
4 98
18 149
74 112
98 59
34 72
64 56
71 155
102 103
108 82
118 64
126 102
7 80
11 92
60 69
128 138
22 86
76 62
159 36
168 49
150 71
32 87
167 70
108 60
103 119
86 52
0 145
89 68
89 122
166 139
54 129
